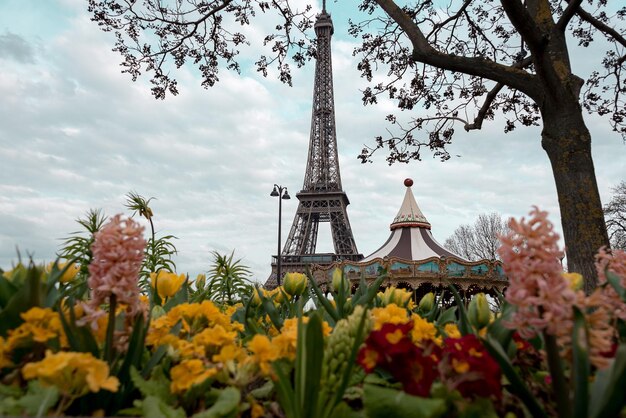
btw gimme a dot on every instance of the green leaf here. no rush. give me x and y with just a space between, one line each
615 281
344 411
502 334
158 385
328 307
518 386
383 402
39 399
464 325
607 392
7 290
28 296
79 338
264 391
313 358
160 351
284 390
226 405
479 408
155 407
270 309
133 357
449 315
372 291
10 391
581 367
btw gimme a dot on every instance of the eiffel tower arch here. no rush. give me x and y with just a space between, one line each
322 198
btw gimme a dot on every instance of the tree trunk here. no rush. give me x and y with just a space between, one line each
567 141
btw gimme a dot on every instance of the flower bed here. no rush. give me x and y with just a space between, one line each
108 333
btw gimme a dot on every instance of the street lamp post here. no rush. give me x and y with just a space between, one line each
281 193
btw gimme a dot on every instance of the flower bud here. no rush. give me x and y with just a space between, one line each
339 280
295 283
157 312
348 305
396 296
256 296
167 284
478 311
67 276
427 302
200 281
280 295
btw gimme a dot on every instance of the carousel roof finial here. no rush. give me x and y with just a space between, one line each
409 213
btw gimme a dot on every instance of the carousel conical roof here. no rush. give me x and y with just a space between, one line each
410 238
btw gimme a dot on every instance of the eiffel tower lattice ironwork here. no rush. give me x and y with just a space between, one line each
322 198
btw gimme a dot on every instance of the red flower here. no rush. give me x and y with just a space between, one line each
416 369
520 343
470 368
392 349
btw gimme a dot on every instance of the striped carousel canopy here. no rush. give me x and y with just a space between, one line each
410 237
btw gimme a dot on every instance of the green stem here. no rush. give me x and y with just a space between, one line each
108 346
152 247
559 384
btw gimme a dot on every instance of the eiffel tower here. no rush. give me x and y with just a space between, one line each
322 198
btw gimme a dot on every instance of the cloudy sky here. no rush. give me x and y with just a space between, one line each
77 134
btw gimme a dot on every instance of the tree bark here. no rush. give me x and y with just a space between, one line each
567 141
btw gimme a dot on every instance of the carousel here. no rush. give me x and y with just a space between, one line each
415 261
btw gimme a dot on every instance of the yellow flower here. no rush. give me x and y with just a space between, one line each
189 373
370 358
167 283
79 311
574 280
391 313
74 374
215 336
40 325
5 361
452 330
394 337
286 341
195 319
423 330
460 366
229 352
231 309
263 352
257 411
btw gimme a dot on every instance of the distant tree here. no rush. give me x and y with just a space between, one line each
480 240
461 242
462 62
615 213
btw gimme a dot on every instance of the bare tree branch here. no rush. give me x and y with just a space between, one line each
567 15
601 26
424 52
